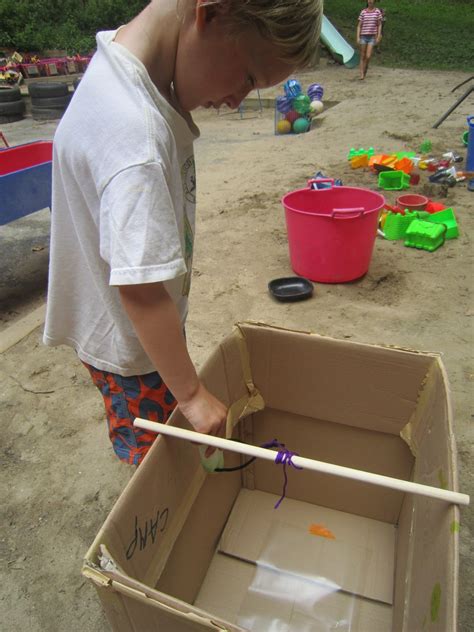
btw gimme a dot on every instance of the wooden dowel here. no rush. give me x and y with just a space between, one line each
307 464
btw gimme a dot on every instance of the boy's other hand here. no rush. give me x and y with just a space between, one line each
205 413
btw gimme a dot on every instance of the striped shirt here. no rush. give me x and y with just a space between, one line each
370 21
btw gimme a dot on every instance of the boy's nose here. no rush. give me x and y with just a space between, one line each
234 100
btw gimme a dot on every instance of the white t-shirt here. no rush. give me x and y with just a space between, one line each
123 208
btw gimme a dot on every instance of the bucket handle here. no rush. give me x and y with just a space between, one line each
347 213
316 180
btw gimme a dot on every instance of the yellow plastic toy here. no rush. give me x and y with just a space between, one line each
360 161
283 127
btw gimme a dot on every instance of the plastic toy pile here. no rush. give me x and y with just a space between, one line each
423 229
295 110
414 219
400 170
418 221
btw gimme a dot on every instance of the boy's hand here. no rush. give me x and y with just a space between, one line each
205 413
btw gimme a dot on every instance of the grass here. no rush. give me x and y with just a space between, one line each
424 34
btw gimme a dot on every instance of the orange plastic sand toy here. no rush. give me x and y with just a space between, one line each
319 529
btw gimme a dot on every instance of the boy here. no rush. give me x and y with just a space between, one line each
124 195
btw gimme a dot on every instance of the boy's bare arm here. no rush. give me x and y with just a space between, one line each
158 325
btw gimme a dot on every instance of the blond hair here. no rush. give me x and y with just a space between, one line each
292 25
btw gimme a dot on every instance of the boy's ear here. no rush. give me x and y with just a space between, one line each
205 13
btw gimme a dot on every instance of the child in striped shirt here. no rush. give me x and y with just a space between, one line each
369 33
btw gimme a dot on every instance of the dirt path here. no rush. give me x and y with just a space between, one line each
60 478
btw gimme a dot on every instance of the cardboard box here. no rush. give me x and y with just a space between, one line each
185 550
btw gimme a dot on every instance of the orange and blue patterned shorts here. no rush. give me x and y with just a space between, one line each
125 398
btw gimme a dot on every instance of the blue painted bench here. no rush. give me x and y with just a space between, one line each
25 179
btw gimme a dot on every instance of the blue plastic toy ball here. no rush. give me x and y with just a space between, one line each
315 92
292 88
283 104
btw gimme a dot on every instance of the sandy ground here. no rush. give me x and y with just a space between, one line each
59 475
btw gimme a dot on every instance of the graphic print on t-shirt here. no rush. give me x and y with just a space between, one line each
189 180
189 185
188 255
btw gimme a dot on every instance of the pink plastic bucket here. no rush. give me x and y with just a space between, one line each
331 232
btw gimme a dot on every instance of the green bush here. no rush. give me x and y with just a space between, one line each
37 25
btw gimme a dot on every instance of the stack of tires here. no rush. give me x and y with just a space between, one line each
12 106
48 100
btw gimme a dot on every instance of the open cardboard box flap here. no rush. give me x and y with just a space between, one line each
373 408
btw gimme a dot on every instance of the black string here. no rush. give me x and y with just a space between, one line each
237 467
270 444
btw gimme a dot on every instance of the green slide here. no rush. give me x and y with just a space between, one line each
341 50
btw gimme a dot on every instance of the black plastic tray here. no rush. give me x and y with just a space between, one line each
290 288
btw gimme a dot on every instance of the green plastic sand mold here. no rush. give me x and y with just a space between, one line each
447 218
425 235
394 180
396 224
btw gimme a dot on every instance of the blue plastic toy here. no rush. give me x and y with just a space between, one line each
470 151
292 88
315 92
283 104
